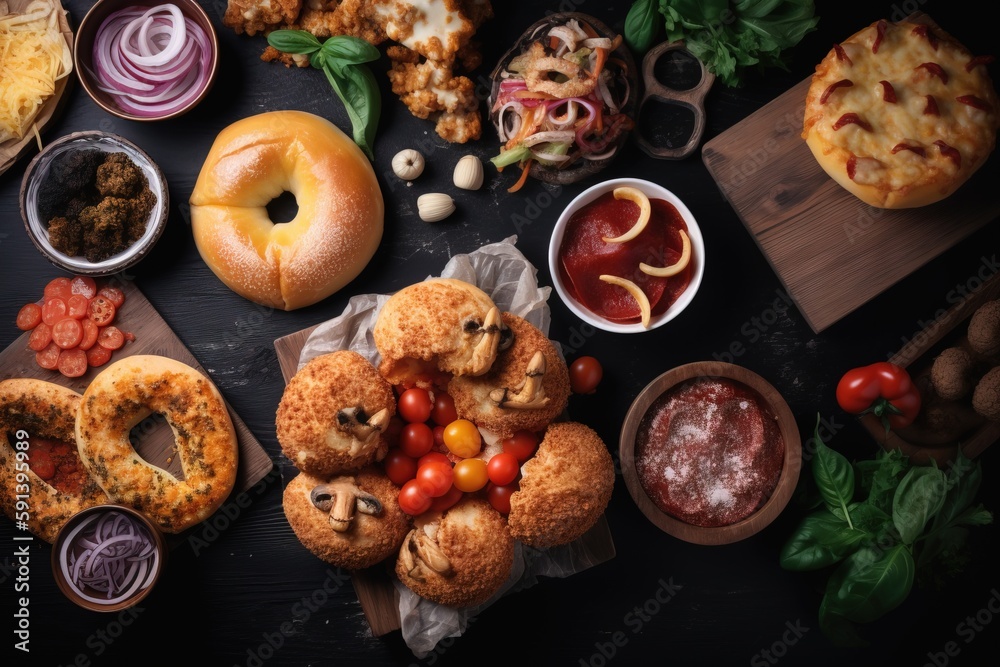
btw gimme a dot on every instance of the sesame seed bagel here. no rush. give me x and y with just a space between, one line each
127 392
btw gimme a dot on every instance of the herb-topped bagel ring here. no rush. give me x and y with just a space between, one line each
128 391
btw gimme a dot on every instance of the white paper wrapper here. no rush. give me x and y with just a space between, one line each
500 270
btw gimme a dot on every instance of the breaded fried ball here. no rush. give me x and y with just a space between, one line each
564 489
986 397
459 558
439 324
350 521
512 396
333 414
950 373
984 329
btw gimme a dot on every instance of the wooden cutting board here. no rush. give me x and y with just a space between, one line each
378 597
153 438
831 251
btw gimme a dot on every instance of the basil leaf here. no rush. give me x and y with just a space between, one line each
869 518
869 583
963 479
821 539
356 87
294 41
838 629
834 475
642 23
318 60
349 50
882 479
918 497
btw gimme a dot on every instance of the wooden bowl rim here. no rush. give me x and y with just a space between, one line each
790 469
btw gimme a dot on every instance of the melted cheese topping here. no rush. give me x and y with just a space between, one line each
435 29
901 53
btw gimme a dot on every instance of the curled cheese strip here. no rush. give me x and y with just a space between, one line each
639 197
636 293
673 269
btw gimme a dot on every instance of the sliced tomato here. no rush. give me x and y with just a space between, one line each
77 305
58 287
73 363
112 294
29 316
90 332
101 311
40 337
83 286
111 337
54 310
98 356
67 333
48 358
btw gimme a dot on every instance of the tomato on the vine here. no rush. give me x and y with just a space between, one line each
522 445
462 438
416 439
585 374
470 475
503 468
412 499
415 405
883 389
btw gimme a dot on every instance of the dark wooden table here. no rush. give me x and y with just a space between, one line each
249 594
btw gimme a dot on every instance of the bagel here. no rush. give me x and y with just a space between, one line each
331 239
128 391
38 410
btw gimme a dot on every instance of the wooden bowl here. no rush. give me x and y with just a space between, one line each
787 479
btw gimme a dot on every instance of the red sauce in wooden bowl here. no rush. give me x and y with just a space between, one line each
709 452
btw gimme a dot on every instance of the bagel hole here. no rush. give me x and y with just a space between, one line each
677 70
282 208
665 124
153 439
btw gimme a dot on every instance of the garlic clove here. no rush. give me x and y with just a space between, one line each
408 164
468 173
435 206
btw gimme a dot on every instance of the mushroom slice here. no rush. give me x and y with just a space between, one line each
530 393
673 269
421 555
636 293
485 351
357 422
341 497
638 197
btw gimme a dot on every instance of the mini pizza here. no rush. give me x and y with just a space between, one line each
901 114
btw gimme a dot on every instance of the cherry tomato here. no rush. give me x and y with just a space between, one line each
413 500
48 357
101 311
884 389
470 475
112 294
54 310
433 456
73 363
98 356
522 445
67 333
416 439
58 287
435 478
393 430
499 497
77 305
438 432
42 465
29 316
399 467
503 468
446 501
90 331
415 405
40 337
111 337
585 374
462 438
83 286
443 412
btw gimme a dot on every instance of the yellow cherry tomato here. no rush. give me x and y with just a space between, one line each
470 475
462 438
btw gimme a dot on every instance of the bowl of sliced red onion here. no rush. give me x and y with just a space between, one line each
146 61
107 558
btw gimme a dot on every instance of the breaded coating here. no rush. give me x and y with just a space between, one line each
333 413
507 378
564 489
951 374
984 329
431 90
459 558
436 29
440 324
375 531
986 397
253 16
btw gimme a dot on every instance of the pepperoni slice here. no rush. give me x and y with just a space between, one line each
54 310
73 363
29 316
111 337
40 337
67 333
84 286
843 83
101 311
90 332
98 356
77 305
888 92
880 29
48 358
113 294
58 287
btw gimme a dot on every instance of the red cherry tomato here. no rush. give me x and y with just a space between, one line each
462 438
58 287
399 467
112 294
433 456
42 465
415 405
67 333
471 475
438 432
499 497
29 316
435 478
416 439
101 311
503 468
446 501
585 374
98 356
48 357
443 412
111 337
90 331
77 306
522 445
83 286
54 310
40 337
73 363
413 500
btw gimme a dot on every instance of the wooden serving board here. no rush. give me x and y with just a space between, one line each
153 438
374 587
831 251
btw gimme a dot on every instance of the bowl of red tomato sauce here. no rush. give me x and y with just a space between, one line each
626 256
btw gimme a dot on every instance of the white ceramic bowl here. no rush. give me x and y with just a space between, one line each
653 191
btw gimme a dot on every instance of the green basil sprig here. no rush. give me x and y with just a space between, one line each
342 59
